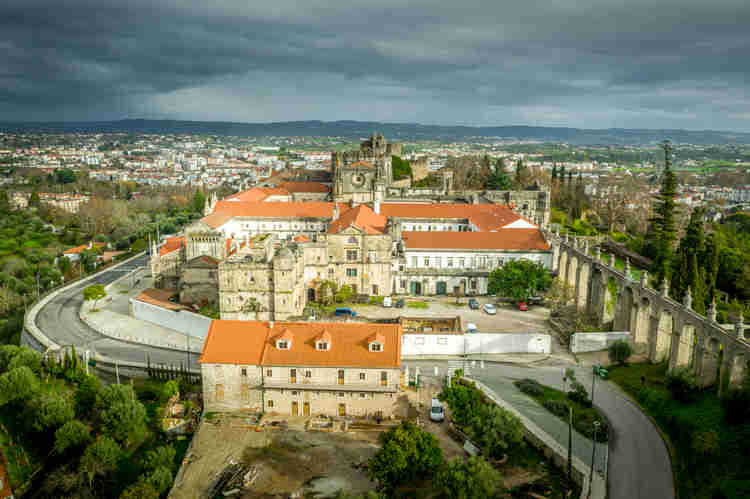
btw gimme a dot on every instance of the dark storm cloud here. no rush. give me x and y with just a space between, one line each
596 64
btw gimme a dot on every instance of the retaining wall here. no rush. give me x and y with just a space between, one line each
184 321
476 343
592 342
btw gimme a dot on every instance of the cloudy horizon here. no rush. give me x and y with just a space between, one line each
585 64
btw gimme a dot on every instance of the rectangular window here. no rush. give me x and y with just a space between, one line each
473 285
372 256
437 262
427 261
461 263
341 376
330 271
351 272
383 378
351 255
340 394
403 284
243 372
414 261
450 262
308 374
219 392
270 403
419 340
283 345
375 347
269 373
362 376
292 375
362 395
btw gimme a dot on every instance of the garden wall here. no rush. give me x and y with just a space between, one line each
417 344
181 320
592 342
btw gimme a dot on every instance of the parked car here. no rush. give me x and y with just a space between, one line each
437 412
471 328
523 306
344 312
400 303
489 308
387 302
474 304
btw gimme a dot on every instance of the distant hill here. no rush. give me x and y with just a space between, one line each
393 131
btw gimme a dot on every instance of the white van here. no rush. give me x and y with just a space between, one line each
437 413
387 302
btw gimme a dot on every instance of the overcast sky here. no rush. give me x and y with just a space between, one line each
581 63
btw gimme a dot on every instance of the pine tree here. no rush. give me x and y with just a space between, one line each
710 262
686 272
663 227
519 167
554 173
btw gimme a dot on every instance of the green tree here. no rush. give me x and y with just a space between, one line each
51 411
7 353
471 478
710 262
519 168
100 458
94 293
198 202
18 384
686 271
498 180
344 293
554 173
140 490
620 351
71 435
85 396
407 454
519 279
400 168
121 415
663 227
26 357
160 479
4 201
34 200
161 457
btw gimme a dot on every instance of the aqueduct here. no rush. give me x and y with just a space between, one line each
659 326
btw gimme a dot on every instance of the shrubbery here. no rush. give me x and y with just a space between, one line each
681 384
620 351
736 406
530 387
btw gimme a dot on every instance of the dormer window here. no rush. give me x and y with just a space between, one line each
376 342
282 345
376 347
323 341
284 341
321 345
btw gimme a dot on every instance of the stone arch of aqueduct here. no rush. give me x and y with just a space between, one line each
659 326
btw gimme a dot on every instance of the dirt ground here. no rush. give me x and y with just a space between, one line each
283 462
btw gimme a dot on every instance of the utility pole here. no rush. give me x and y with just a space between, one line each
593 453
570 444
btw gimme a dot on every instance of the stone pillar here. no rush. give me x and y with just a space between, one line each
612 260
627 268
644 279
597 254
664 287
739 327
586 246
712 311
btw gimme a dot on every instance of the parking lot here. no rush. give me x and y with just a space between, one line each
508 319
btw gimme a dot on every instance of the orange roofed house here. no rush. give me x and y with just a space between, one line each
302 368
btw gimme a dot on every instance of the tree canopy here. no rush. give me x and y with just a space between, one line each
400 168
519 279
662 230
498 179
470 478
94 293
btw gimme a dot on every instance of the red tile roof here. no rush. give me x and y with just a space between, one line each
304 187
312 209
160 298
82 247
254 343
257 194
216 219
301 238
360 164
361 217
171 244
501 213
504 239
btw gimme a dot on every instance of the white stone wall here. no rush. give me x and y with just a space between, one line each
326 403
239 392
328 376
477 260
183 321
592 342
477 343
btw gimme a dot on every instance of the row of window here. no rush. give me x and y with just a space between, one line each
352 255
278 226
481 262
307 373
442 228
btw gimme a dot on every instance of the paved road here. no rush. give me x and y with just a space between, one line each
59 320
639 465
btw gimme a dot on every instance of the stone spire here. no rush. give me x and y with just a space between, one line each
335 211
664 287
627 267
644 279
688 299
612 260
712 310
597 254
586 246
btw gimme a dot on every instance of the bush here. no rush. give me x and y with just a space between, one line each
736 405
344 293
682 384
653 400
530 387
557 407
578 394
620 351
705 442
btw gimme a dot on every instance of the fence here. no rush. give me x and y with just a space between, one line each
593 342
474 344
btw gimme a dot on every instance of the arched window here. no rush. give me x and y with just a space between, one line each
352 240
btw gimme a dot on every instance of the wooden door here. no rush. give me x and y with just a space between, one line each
292 375
306 408
219 392
342 409
295 408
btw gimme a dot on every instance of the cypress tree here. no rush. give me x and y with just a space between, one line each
554 173
561 173
686 272
519 167
710 262
663 227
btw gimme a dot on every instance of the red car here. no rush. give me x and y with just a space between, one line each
523 307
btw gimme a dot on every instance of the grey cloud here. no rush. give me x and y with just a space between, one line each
591 63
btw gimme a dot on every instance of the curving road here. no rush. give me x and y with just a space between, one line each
59 320
639 464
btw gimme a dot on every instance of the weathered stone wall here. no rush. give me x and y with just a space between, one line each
373 263
199 284
659 327
226 389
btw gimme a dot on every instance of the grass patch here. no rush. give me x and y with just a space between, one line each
557 402
701 472
417 304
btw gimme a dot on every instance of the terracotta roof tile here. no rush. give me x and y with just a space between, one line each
361 217
312 209
504 239
254 342
301 238
160 298
82 247
360 164
217 219
171 244
304 187
440 210
256 194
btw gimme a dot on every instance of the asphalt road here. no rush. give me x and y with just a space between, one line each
639 464
59 320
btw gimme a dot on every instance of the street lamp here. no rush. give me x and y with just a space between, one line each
593 453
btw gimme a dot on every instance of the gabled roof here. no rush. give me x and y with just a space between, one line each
503 239
254 343
203 260
361 217
257 194
216 219
82 247
160 298
171 244
324 336
305 187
